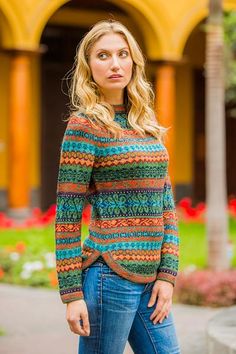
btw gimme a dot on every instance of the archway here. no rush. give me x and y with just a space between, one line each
194 53
60 38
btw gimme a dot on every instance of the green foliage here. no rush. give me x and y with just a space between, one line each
37 244
193 244
2 332
229 29
230 56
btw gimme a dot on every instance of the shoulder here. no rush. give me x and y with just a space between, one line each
80 128
82 121
79 119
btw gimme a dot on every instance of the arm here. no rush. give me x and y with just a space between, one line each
167 271
170 247
76 163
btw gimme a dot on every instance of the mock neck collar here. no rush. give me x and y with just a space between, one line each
119 108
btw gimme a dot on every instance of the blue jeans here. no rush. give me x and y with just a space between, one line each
118 313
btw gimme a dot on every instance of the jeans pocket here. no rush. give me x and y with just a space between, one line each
112 275
148 286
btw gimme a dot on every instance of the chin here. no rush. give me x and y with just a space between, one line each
116 86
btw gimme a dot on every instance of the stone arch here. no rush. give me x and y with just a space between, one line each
185 27
8 26
193 17
153 30
47 11
16 25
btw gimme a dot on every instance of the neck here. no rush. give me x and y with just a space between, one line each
114 98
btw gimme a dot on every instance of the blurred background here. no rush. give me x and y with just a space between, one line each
190 52
38 44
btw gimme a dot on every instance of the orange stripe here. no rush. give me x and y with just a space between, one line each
125 239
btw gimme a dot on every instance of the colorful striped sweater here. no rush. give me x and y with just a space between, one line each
133 223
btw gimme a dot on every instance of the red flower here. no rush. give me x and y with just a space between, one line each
185 202
20 247
188 212
232 206
1 273
86 215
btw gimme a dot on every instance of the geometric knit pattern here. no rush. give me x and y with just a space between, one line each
133 224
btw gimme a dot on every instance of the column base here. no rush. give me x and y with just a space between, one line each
19 214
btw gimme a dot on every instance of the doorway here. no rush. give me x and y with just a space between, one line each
61 43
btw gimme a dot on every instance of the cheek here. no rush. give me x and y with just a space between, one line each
128 68
98 70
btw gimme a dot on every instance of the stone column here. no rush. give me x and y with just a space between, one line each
19 134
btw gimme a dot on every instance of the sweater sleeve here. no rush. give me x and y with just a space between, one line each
75 168
170 247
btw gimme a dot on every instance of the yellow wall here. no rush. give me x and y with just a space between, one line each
166 25
85 18
163 27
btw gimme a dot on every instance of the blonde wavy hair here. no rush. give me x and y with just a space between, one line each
86 97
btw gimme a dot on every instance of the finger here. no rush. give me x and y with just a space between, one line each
160 317
86 325
162 314
162 308
76 328
158 308
153 297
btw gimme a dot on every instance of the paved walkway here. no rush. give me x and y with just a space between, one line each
34 323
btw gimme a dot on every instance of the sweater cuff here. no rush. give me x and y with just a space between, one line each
170 278
71 295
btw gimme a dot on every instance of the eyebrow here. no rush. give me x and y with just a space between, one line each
107 50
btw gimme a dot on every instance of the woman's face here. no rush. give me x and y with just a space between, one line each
111 64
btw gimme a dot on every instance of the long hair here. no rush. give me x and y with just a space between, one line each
86 97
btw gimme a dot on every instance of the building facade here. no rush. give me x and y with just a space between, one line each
38 40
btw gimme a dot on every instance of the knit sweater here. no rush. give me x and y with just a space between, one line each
133 225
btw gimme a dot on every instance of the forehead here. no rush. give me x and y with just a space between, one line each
110 41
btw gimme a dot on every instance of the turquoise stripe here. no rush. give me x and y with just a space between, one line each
71 208
78 133
171 238
114 235
170 227
67 241
124 245
74 146
109 151
66 254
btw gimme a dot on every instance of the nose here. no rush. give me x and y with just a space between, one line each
115 63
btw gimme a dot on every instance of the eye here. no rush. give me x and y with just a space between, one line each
124 53
102 55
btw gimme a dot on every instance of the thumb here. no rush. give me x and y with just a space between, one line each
153 297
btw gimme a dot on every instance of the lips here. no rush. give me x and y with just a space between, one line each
115 76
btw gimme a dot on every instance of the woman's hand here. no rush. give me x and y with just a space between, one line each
76 311
162 290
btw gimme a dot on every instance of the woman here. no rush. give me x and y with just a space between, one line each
118 286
